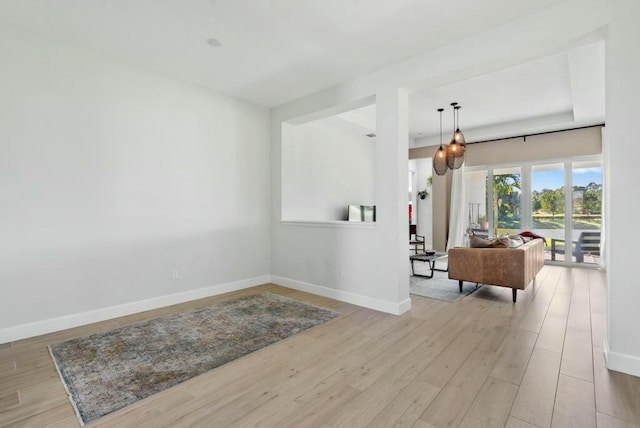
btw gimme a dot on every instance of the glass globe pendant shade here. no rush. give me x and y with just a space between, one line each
457 135
440 157
456 149
455 155
440 161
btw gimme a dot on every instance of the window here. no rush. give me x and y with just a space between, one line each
547 202
561 201
507 189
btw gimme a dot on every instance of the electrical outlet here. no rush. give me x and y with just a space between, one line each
175 273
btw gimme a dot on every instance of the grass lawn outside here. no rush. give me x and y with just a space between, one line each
541 222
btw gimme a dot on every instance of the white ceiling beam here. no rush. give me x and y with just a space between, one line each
586 71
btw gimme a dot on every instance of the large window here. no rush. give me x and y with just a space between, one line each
586 211
507 189
561 201
547 202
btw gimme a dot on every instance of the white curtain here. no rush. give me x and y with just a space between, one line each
457 214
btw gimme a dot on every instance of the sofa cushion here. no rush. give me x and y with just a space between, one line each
501 242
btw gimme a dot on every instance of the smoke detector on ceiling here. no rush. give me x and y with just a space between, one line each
214 43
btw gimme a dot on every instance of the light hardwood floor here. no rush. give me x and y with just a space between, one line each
480 362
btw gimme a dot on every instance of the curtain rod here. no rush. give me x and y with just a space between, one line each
537 133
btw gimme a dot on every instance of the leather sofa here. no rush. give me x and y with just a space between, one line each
507 267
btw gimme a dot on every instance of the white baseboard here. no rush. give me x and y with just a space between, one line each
38 328
345 296
619 362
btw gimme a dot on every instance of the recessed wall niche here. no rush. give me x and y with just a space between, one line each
328 164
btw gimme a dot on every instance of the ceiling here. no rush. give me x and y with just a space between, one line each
559 92
276 51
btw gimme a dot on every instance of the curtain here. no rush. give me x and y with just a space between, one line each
457 214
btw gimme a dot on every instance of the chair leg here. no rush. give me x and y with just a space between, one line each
460 284
514 294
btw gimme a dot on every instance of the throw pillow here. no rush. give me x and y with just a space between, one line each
507 242
502 242
517 239
478 242
531 235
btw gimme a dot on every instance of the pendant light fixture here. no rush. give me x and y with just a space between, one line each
456 148
458 135
440 158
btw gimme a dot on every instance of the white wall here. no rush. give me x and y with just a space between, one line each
111 177
424 207
621 169
324 170
366 264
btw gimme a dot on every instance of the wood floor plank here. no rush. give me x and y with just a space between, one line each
606 421
575 404
616 393
560 303
598 329
406 408
309 386
514 359
552 333
9 401
409 329
517 423
580 292
318 410
69 421
445 365
577 358
422 424
597 292
535 317
597 303
579 316
18 380
535 399
53 415
452 403
138 414
495 326
214 414
7 367
362 409
492 405
40 398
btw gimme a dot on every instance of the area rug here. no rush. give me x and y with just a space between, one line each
107 371
439 287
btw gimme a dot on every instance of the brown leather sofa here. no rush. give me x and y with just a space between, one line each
506 267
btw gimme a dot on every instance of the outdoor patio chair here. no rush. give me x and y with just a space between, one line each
587 243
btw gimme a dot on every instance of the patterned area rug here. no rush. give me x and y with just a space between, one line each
107 371
440 286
